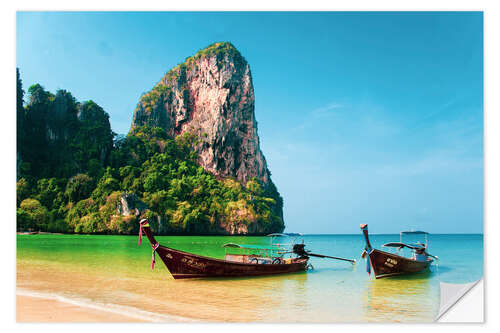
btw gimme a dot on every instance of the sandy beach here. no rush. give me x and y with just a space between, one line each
43 310
36 307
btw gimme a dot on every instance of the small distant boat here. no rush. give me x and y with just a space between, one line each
254 261
385 264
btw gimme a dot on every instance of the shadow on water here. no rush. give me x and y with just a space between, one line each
256 278
259 298
408 298
410 277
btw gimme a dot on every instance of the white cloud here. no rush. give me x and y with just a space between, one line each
327 108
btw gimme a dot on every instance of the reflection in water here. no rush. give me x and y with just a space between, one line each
267 298
403 298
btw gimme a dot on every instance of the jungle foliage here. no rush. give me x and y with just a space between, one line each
72 174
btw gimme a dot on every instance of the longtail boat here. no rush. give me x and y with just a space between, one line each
385 264
254 261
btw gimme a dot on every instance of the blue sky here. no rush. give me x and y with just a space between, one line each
363 117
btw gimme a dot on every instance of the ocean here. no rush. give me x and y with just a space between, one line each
113 272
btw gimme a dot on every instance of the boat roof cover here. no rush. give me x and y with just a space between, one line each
414 232
252 247
411 246
285 234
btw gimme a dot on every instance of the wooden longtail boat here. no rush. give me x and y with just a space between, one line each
385 264
267 261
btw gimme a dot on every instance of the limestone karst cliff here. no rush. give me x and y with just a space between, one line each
210 95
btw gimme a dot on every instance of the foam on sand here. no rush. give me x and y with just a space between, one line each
125 311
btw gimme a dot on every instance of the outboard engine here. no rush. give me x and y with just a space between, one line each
299 250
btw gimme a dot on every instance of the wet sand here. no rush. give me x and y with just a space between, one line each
31 309
154 296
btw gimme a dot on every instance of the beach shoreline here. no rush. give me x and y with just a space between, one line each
104 277
36 307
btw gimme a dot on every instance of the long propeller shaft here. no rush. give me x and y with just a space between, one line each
323 256
430 255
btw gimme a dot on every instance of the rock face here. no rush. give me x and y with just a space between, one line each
130 204
210 95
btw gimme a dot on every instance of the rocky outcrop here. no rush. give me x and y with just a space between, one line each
210 95
130 204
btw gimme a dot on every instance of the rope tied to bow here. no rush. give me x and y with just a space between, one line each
143 224
154 255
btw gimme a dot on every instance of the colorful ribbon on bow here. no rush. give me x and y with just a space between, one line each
154 255
143 223
140 234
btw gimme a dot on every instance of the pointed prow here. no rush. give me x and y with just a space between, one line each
364 228
146 229
368 247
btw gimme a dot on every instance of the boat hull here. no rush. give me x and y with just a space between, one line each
385 264
184 265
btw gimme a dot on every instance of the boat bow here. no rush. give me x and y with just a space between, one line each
146 229
386 264
368 247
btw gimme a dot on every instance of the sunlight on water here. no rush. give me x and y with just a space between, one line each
113 269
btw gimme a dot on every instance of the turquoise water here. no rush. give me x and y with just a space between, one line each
114 270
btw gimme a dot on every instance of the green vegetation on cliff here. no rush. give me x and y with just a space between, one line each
73 178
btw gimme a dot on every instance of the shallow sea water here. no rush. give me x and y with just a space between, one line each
113 270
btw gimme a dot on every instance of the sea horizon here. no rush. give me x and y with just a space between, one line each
244 235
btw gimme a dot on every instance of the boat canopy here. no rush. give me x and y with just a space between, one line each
401 245
414 233
251 246
284 234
